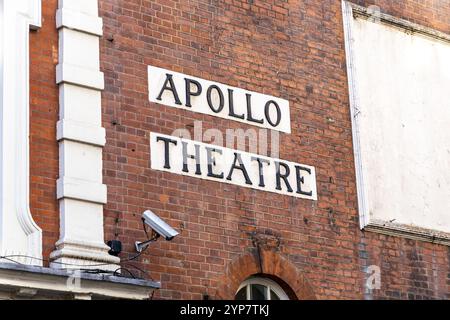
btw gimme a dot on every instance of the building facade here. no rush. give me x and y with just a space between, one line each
299 148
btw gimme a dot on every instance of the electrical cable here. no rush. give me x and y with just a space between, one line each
10 258
96 271
153 293
140 269
89 271
54 262
145 228
125 269
72 264
142 251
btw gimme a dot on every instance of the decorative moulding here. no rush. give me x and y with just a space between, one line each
19 234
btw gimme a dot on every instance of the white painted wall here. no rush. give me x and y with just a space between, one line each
401 109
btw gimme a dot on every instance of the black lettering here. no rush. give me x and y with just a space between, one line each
189 93
209 98
267 112
212 162
167 143
241 166
301 180
231 106
261 163
284 176
169 81
249 110
196 158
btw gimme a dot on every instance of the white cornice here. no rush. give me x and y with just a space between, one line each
39 283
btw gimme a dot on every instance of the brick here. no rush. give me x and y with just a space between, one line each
279 48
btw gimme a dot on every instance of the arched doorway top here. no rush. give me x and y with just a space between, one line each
268 263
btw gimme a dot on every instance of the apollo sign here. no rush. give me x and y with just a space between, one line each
190 93
211 162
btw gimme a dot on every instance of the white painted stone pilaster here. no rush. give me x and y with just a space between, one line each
19 234
81 192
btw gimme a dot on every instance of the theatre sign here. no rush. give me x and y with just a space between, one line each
211 162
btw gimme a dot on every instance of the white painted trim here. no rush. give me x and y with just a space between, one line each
358 11
79 21
80 189
347 11
92 79
34 9
81 132
19 234
351 11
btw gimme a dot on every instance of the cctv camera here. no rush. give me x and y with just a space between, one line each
159 226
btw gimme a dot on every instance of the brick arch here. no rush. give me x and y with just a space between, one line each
268 263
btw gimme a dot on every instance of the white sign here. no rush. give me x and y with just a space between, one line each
205 161
198 95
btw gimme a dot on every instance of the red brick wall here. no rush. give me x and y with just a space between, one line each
289 49
43 118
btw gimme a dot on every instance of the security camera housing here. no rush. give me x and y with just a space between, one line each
159 226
